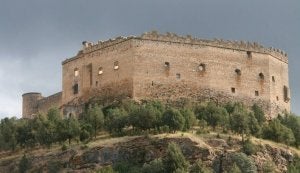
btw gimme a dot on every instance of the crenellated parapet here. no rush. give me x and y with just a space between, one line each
89 47
237 45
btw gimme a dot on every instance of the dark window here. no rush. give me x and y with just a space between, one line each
233 90
167 65
286 93
249 54
178 76
256 93
277 98
238 72
261 76
273 78
201 67
75 89
96 83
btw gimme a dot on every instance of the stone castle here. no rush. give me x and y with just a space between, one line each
169 67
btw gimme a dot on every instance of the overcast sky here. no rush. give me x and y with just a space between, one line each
37 35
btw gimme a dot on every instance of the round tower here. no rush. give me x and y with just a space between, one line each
30 104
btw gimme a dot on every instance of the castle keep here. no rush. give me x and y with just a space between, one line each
168 67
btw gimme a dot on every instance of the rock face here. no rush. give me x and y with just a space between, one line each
142 150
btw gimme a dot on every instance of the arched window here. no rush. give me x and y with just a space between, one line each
100 71
116 65
75 89
238 72
261 76
76 72
167 65
201 67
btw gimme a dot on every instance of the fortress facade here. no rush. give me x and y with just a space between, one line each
168 67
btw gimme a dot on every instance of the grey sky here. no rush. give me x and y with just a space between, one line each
36 35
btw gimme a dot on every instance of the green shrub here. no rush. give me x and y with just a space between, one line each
234 169
107 169
199 167
249 148
54 166
174 159
25 164
269 167
64 147
155 166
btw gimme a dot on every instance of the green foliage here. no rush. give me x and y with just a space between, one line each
294 167
199 167
174 159
64 147
8 129
95 117
173 118
155 166
125 167
54 166
235 169
293 122
269 167
107 169
24 164
249 148
116 119
240 120
278 132
214 115
243 162
189 117
258 114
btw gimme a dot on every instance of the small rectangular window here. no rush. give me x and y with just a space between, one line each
273 79
178 76
256 93
75 89
233 90
249 54
286 93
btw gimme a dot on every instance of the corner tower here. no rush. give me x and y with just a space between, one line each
30 104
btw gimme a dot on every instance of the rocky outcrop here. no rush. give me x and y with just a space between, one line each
142 150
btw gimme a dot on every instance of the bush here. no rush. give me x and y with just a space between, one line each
25 164
155 166
244 163
269 167
173 119
64 147
174 159
107 169
199 167
249 148
54 166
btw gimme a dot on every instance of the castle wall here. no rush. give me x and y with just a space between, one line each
115 80
153 80
53 101
30 104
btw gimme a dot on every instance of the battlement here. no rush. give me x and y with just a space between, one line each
237 45
89 47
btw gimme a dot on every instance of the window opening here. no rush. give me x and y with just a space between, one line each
286 93
261 76
100 71
178 76
201 67
256 93
167 65
233 90
75 89
116 65
238 72
249 54
76 72
273 78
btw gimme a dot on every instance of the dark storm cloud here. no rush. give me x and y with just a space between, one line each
36 35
